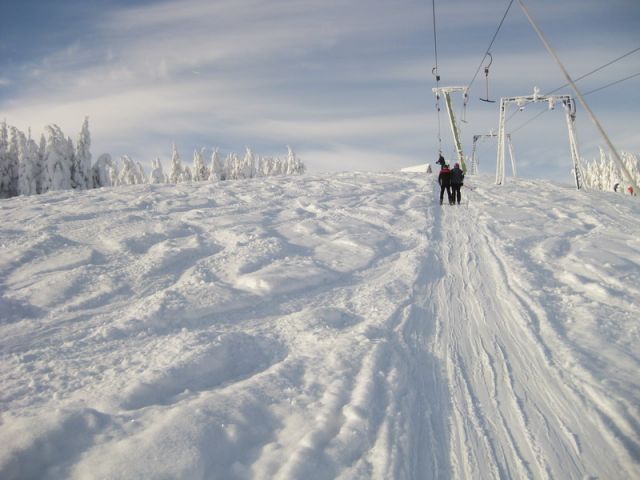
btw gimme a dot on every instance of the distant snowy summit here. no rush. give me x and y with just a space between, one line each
422 168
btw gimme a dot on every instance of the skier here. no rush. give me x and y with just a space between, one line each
457 178
441 161
444 179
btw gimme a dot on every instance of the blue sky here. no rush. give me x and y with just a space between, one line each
346 83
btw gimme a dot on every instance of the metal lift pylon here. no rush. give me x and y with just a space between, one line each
570 114
474 161
455 129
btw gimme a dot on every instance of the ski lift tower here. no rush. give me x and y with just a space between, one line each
570 114
474 161
455 130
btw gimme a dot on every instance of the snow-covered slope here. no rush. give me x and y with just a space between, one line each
320 327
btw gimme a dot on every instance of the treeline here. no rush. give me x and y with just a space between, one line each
28 167
604 174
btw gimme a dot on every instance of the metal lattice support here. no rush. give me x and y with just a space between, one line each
455 129
570 114
474 160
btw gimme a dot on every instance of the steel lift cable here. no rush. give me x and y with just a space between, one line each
436 74
584 94
611 62
495 35
597 69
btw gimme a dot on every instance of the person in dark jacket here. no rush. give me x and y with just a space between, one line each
444 179
457 179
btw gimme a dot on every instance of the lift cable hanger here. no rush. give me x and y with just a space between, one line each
486 79
495 35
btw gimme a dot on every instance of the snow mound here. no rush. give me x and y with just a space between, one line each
422 168
284 276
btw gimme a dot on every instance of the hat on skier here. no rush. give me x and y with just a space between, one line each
456 165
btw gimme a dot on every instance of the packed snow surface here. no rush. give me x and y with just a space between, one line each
320 327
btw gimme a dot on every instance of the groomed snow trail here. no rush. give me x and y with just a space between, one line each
521 406
320 327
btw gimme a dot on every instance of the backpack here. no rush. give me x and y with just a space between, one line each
457 176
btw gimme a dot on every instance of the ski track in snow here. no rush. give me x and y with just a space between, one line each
320 327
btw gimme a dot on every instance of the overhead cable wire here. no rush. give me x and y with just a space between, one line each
584 94
597 69
436 73
528 121
585 76
611 84
495 35
580 78
435 35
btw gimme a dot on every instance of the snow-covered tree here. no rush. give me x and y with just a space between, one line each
157 174
128 172
200 170
248 165
294 165
82 161
186 175
264 166
5 177
273 167
232 167
58 160
42 149
13 164
217 167
112 174
142 176
176 172
100 172
27 166
604 174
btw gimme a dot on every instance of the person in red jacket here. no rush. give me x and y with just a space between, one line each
444 179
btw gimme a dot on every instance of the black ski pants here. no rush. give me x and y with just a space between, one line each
456 195
449 196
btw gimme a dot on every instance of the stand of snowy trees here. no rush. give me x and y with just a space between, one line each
29 168
604 174
233 167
